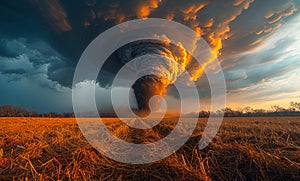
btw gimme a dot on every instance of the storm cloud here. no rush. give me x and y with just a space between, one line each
42 41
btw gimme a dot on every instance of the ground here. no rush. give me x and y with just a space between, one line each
244 149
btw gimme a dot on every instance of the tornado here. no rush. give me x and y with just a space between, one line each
145 88
159 74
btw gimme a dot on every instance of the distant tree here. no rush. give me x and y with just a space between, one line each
12 111
239 111
204 113
276 108
33 114
295 106
248 110
20 111
291 109
219 112
228 112
259 112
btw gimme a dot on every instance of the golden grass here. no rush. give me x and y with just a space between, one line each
244 149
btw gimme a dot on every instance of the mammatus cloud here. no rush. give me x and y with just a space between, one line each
273 68
190 11
284 11
274 19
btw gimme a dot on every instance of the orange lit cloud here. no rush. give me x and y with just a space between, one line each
237 2
223 28
144 8
113 14
221 32
119 14
170 16
269 14
259 40
55 14
191 10
208 23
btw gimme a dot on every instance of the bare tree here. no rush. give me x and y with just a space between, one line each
295 106
276 108
248 110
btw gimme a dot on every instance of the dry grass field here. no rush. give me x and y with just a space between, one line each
244 149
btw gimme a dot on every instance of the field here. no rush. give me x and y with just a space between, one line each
244 149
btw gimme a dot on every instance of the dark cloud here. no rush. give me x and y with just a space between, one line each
278 55
33 60
252 26
18 71
53 14
43 40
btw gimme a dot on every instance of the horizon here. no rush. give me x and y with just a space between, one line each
294 107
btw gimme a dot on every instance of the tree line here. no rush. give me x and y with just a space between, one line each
276 110
19 111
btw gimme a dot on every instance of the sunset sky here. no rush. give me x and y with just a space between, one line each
257 43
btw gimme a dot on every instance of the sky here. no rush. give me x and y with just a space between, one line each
257 44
